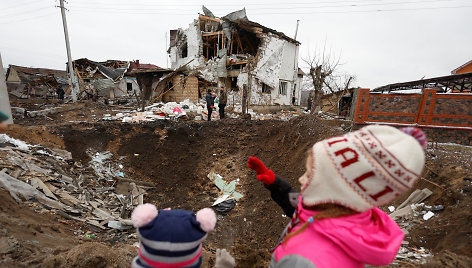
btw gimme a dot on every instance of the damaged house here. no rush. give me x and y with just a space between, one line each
251 61
25 82
110 79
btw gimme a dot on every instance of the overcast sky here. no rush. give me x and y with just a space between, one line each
378 41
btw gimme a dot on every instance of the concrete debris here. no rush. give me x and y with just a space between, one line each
416 197
412 255
187 110
97 197
409 215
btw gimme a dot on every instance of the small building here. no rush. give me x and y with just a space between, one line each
464 68
27 82
240 55
110 79
338 102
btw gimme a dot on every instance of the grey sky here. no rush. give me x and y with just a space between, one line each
379 41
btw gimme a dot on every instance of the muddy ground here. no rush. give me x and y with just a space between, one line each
176 158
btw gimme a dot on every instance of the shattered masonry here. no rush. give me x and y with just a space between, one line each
235 52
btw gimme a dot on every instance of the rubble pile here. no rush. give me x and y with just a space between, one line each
98 196
187 110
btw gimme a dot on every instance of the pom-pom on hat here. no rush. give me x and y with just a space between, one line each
171 238
365 168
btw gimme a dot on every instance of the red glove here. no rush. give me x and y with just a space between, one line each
263 174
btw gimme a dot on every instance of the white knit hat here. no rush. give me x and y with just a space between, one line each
365 168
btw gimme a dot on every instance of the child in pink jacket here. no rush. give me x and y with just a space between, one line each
335 220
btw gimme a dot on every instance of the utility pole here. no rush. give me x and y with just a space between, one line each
167 56
295 67
72 79
296 30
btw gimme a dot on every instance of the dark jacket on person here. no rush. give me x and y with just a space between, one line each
223 98
210 100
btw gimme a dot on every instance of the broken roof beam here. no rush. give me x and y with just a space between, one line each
202 17
213 33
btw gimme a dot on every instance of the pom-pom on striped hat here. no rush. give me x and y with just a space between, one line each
365 168
170 238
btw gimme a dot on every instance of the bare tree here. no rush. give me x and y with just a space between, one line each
321 67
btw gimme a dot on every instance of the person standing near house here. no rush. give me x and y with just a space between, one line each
60 93
210 100
223 98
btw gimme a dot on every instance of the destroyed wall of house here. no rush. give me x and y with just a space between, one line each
239 54
186 47
105 79
182 88
274 77
129 87
338 103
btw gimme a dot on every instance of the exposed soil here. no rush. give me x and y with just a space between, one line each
177 157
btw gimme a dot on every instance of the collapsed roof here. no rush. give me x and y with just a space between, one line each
111 69
27 74
240 19
451 83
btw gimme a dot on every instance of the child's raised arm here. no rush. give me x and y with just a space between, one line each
279 189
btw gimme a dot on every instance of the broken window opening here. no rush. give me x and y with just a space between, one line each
129 86
212 42
234 84
184 50
266 88
283 88
244 42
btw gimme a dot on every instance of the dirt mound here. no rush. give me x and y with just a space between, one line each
448 259
90 255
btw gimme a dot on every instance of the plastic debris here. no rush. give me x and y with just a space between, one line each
229 197
428 215
227 188
225 206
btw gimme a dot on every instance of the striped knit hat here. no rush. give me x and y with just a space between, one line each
365 168
170 238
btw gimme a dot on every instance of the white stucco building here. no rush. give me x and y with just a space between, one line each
240 54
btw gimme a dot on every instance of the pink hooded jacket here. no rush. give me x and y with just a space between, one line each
370 237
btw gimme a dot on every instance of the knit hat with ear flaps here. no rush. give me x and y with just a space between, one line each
170 238
365 168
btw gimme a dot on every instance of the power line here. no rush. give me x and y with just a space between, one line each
355 4
228 5
26 12
19 4
179 10
363 11
26 19
159 12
